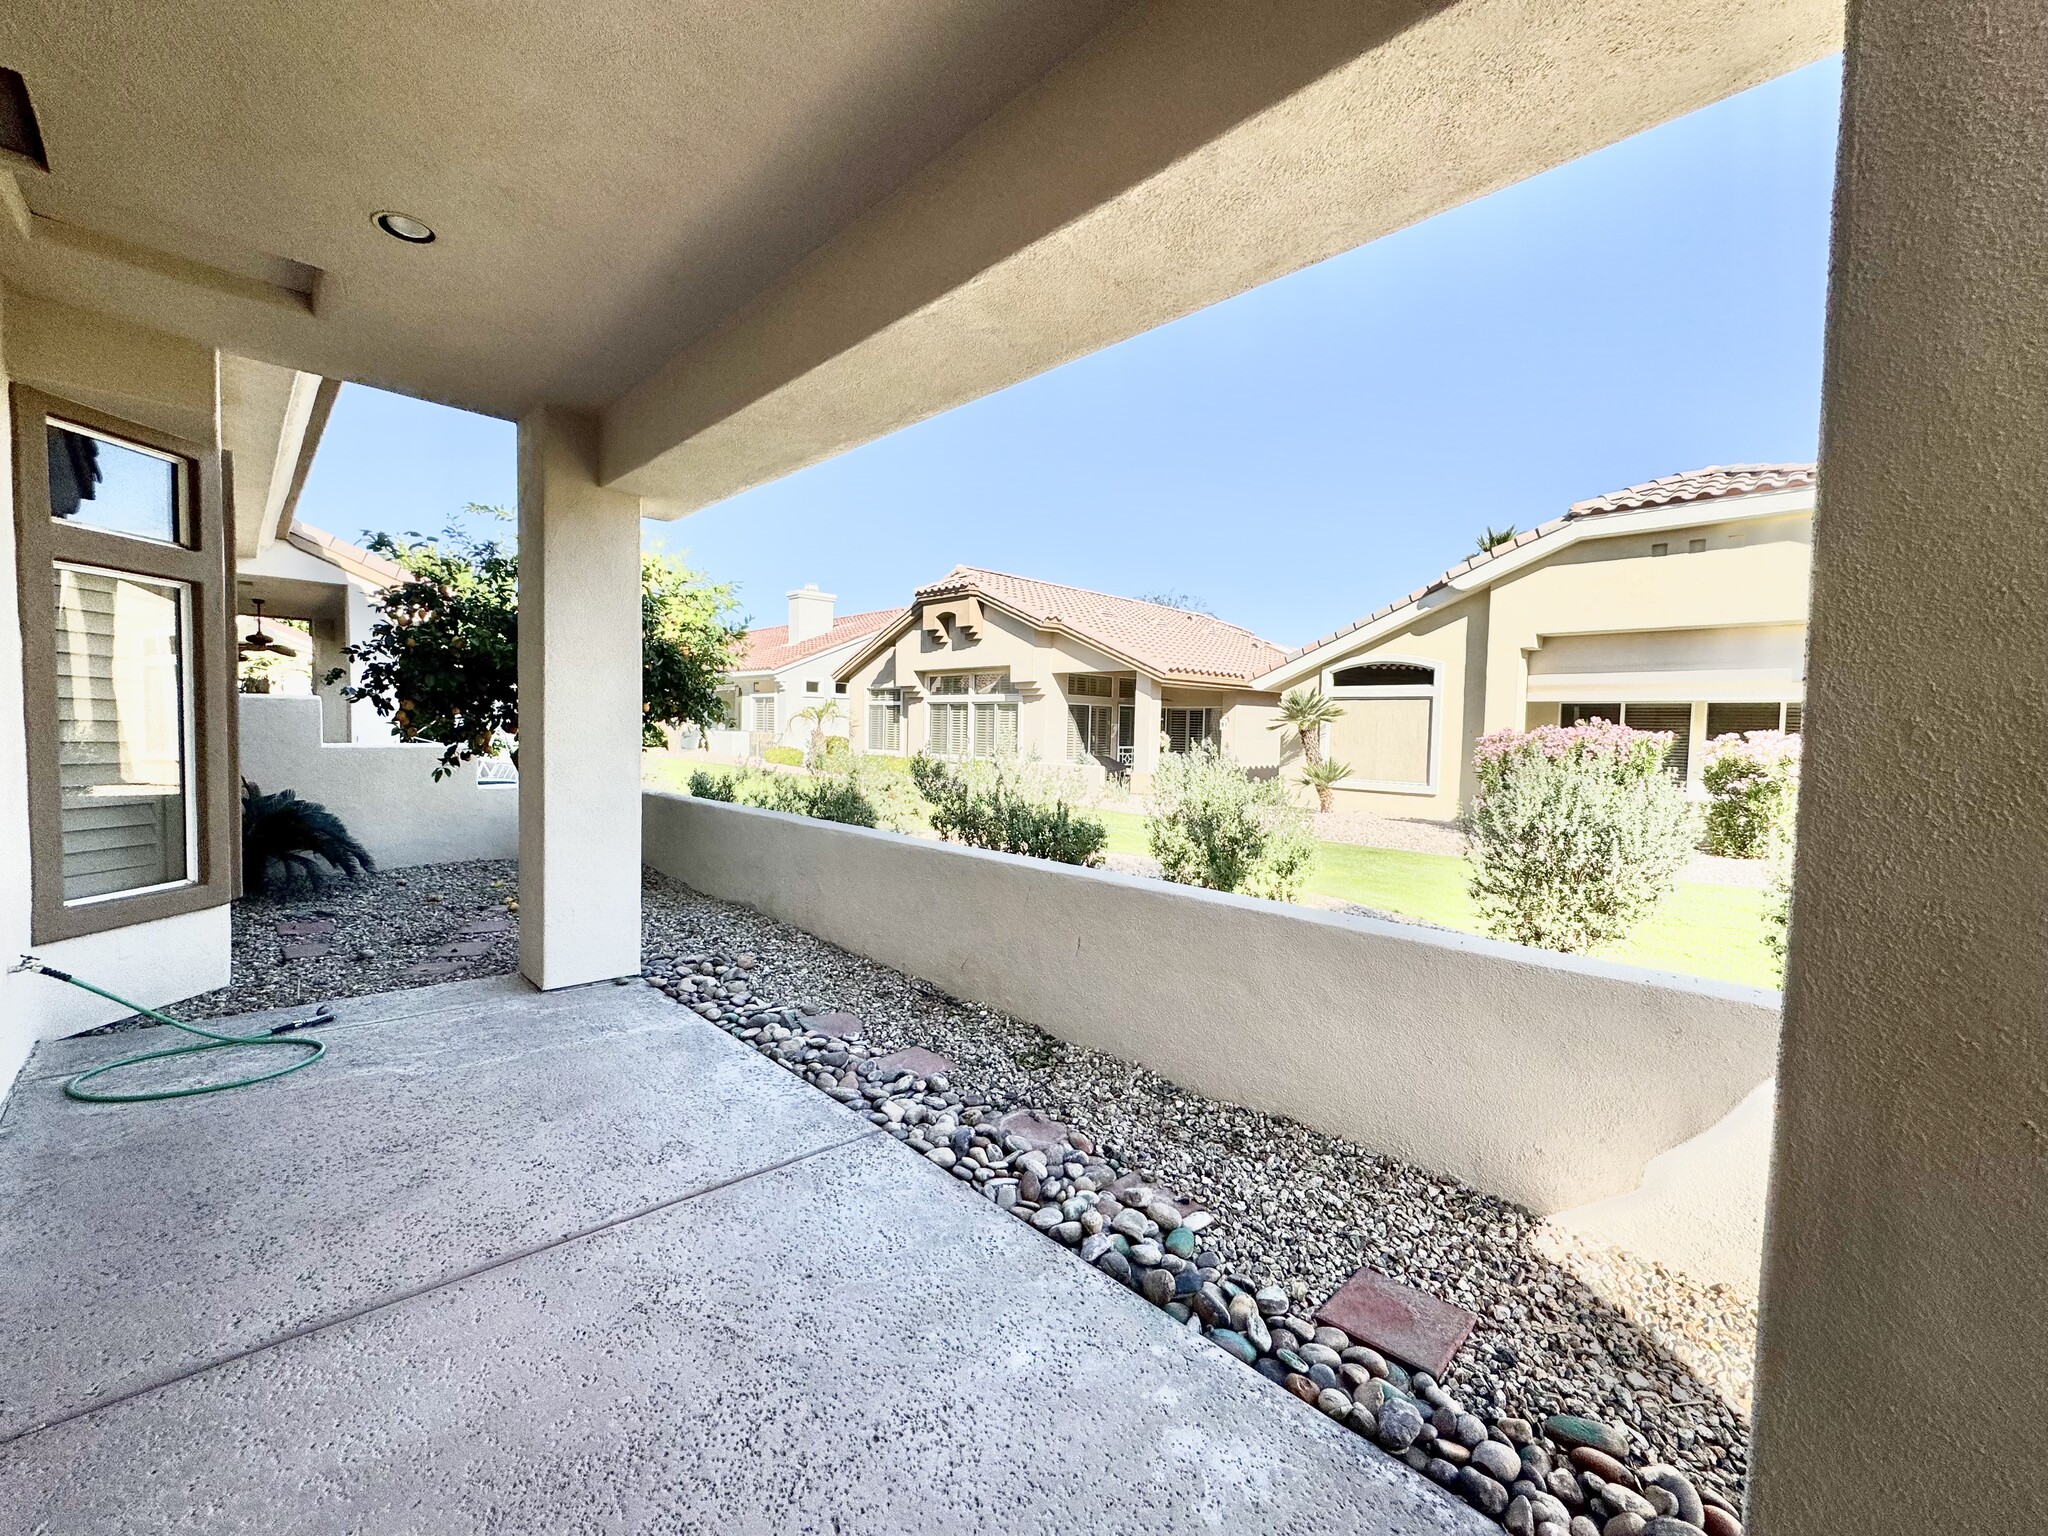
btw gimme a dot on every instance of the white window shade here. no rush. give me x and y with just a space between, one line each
1384 741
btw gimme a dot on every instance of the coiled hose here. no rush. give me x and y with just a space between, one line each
210 1040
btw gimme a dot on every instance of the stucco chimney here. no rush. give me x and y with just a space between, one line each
810 613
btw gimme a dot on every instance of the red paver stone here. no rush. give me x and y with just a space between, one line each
304 927
492 925
305 949
1413 1326
917 1061
840 1026
432 967
1043 1134
467 949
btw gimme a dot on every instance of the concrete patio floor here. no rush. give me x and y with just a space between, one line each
577 1262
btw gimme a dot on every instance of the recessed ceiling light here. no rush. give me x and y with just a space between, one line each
403 226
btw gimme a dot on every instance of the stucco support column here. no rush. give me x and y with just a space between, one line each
579 710
1146 726
1904 1278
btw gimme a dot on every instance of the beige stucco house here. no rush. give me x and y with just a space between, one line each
1676 605
785 669
986 664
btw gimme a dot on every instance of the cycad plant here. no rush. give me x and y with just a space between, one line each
284 838
1306 711
1322 776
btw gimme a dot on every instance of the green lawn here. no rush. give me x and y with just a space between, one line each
1703 930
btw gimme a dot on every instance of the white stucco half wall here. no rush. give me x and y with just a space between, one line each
385 792
1549 1079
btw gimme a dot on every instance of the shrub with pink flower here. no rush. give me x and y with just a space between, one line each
1576 834
1753 777
1614 751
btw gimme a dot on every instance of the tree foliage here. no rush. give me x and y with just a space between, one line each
1212 824
442 659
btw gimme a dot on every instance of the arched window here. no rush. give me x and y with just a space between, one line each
1384 674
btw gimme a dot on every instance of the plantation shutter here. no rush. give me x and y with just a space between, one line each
984 733
1794 715
1731 719
1006 730
1100 723
1077 731
1675 718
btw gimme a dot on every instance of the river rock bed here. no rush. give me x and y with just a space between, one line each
1561 1416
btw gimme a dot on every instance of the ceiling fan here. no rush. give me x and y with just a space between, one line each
257 641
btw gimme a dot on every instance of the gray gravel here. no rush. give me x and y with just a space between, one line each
383 933
1664 1358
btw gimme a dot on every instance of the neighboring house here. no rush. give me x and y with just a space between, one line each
788 668
1677 605
331 586
984 664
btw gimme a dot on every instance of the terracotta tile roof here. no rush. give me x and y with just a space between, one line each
1166 642
352 558
1715 482
769 650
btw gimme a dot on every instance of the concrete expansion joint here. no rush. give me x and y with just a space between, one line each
442 1282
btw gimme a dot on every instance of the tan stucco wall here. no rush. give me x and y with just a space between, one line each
1752 580
1903 1351
384 792
1038 661
1522 1072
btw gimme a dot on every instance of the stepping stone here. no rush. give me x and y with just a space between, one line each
304 927
493 924
305 949
840 1026
1041 1133
1413 1326
421 969
917 1061
467 949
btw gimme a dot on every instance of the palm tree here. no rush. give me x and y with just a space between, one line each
819 715
1491 539
1322 777
1305 712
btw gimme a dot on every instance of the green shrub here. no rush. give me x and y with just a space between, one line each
836 756
1778 898
1010 807
706 785
886 782
1753 777
1576 835
1212 824
788 757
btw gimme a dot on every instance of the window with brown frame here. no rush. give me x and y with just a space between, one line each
123 584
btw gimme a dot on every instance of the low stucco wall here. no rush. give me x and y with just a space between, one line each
386 793
1548 1079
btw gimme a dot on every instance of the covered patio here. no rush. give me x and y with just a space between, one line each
578 1261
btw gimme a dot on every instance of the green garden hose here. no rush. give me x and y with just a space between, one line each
210 1040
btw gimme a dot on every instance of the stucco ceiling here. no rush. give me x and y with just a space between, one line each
607 180
748 235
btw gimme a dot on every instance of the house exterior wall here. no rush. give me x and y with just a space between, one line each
384 792
157 381
793 694
1516 1069
1601 620
1037 663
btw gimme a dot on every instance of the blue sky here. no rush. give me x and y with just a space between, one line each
1303 453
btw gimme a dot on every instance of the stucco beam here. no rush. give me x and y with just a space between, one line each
1186 154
